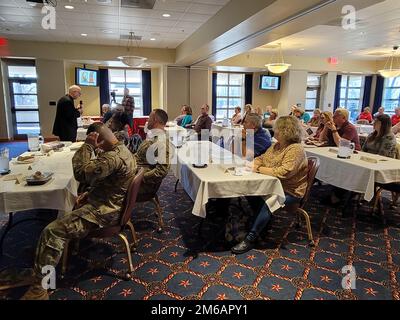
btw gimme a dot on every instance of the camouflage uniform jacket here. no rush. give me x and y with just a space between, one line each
108 176
156 171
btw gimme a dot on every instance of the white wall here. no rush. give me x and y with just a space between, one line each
51 87
328 88
6 127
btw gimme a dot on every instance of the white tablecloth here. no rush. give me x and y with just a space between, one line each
59 193
212 182
354 174
364 129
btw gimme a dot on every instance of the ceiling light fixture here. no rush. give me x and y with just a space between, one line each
132 60
84 34
393 71
278 65
69 7
152 39
166 15
107 31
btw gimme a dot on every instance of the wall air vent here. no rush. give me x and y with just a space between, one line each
140 4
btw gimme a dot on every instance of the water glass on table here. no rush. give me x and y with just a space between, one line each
4 160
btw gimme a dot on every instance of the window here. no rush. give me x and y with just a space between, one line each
391 95
24 102
131 79
351 94
313 92
230 94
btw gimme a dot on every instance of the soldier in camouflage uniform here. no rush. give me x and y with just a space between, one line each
153 154
108 177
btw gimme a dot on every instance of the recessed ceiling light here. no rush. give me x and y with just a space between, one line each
69 7
84 34
107 31
152 39
166 15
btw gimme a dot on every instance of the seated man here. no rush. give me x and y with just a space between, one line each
108 177
341 128
153 154
262 137
204 121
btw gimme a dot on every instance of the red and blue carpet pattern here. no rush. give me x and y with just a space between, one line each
177 264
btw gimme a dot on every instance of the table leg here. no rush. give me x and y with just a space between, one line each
8 227
176 184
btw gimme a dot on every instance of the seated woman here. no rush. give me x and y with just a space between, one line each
382 141
300 114
237 117
287 161
316 119
270 122
366 115
179 118
325 117
187 119
247 109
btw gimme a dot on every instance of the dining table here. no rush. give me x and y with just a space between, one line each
358 174
59 193
207 171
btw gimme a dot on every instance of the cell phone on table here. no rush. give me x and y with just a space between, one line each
309 131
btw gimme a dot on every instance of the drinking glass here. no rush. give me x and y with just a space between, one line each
4 160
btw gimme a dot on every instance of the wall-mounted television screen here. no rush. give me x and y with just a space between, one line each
86 77
270 82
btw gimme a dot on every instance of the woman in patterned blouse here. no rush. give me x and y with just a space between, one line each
285 160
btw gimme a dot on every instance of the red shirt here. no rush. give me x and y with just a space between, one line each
365 116
395 120
348 132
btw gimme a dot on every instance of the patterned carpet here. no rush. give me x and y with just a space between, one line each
177 264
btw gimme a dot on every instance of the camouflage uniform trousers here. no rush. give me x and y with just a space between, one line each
73 226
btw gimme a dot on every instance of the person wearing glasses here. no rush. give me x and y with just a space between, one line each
65 123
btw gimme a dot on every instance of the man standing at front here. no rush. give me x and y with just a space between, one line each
108 177
65 123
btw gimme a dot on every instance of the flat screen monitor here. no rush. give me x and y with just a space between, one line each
86 77
270 82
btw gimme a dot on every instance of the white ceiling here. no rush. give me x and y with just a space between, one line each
21 21
377 31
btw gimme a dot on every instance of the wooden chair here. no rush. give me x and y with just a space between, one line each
108 232
299 208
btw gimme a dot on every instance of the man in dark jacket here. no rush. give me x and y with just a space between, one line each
65 124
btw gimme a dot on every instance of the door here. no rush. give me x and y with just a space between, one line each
24 106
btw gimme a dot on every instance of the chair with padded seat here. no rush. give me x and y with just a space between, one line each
109 232
299 208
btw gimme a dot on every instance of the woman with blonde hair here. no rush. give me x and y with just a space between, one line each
285 160
247 110
316 119
325 117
